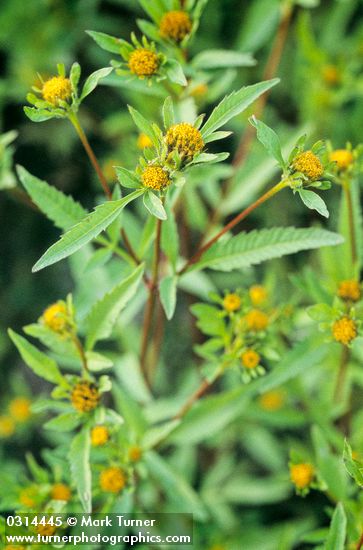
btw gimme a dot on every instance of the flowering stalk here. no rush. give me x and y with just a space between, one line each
202 390
268 195
81 352
82 136
348 196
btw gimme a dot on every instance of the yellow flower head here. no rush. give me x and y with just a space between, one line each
231 302
344 330
7 426
112 480
256 320
60 491
45 530
185 139
331 75
258 294
175 25
199 91
155 177
342 158
143 141
19 409
349 290
57 89
143 63
134 453
99 436
27 497
272 400
308 164
85 396
55 317
250 359
301 475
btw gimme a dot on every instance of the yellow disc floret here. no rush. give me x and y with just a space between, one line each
85 396
301 475
349 290
134 453
258 294
55 317
143 63
272 400
331 75
143 141
60 491
231 302
175 25
112 480
7 426
344 330
185 139
57 89
155 177
256 320
342 158
250 359
99 436
19 409
308 164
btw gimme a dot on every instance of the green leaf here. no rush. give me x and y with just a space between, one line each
353 467
104 313
321 312
154 9
180 493
97 362
79 459
269 139
167 290
144 125
154 205
314 202
330 466
130 410
175 72
74 75
220 59
338 530
40 364
168 112
65 422
61 209
86 230
252 248
127 178
38 115
233 104
93 80
106 41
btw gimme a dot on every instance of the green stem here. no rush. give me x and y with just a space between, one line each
81 352
268 195
353 243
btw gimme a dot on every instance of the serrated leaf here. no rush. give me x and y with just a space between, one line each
233 104
154 205
103 315
86 230
220 59
252 248
39 362
338 530
65 422
106 41
61 209
269 139
93 80
353 467
167 291
79 460
314 202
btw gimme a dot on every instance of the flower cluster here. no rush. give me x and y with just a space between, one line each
18 413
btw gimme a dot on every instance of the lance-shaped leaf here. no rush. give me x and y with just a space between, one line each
338 530
252 248
93 80
221 59
86 230
107 42
61 209
79 460
269 139
314 202
105 312
233 104
168 288
40 364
